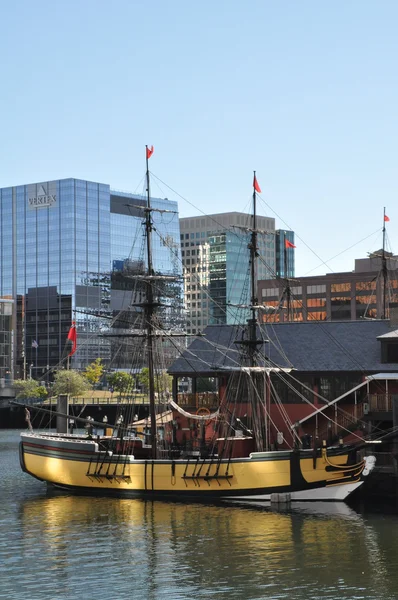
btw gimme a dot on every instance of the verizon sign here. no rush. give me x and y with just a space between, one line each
40 196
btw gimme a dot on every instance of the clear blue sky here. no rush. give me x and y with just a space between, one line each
303 91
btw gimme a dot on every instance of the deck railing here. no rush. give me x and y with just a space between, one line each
342 423
199 400
381 402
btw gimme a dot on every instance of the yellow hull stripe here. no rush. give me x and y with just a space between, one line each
175 477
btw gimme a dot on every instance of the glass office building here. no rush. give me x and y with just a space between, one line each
284 256
215 258
6 363
229 284
64 248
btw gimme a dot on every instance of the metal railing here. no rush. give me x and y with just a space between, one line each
101 400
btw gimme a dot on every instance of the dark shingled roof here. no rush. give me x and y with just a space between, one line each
307 347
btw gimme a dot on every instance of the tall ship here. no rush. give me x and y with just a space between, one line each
221 450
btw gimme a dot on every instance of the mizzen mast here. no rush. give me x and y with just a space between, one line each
384 266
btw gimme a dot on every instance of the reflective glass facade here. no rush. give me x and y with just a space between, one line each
229 278
6 366
59 244
284 256
216 265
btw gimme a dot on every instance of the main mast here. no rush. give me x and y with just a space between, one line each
149 308
254 342
252 322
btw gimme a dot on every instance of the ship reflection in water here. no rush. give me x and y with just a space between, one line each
70 547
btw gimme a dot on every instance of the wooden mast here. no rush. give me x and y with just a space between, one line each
287 289
250 340
384 268
149 309
254 342
253 272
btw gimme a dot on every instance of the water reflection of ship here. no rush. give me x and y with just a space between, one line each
203 540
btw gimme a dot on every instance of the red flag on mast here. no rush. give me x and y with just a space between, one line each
149 151
255 185
386 218
72 337
289 244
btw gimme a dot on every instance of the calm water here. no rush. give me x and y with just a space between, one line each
56 547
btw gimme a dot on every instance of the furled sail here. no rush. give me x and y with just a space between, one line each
193 416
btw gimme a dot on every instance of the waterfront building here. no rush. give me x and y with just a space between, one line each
352 295
345 373
215 258
67 251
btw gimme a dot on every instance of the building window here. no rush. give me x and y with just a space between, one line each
297 291
389 352
365 286
316 302
270 292
340 308
316 289
340 287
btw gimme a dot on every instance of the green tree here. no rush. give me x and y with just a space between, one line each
94 371
163 381
120 381
42 392
29 388
70 382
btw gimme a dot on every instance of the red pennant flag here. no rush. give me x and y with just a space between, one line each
386 218
72 337
256 186
149 151
289 244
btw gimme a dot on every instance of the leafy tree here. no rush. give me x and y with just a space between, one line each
94 371
120 381
70 382
163 381
29 388
42 392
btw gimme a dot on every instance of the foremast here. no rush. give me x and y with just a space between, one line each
150 307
